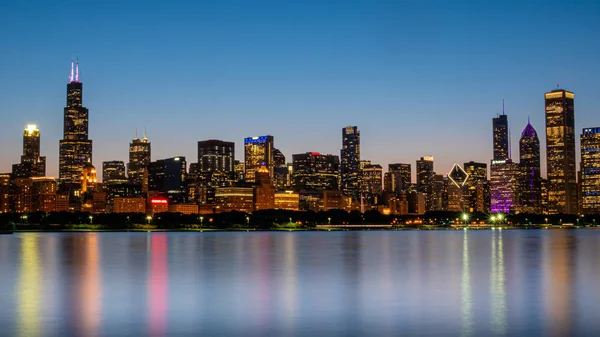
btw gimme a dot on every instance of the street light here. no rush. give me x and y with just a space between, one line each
248 220
329 221
493 218
149 218
465 217
201 220
91 219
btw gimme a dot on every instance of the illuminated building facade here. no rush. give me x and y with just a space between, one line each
504 186
264 192
350 161
530 187
43 194
438 193
216 160
287 200
398 178
590 170
476 190
88 178
239 168
184 208
258 151
314 171
229 199
425 175
5 192
560 152
32 164
113 172
168 177
75 147
129 205
456 189
371 179
500 134
140 157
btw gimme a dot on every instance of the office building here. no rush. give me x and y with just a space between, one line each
530 187
425 175
287 200
476 189
113 172
75 148
229 199
350 161
167 176
5 192
264 192
398 178
560 152
216 160
501 141
140 157
89 179
258 152
371 179
314 171
32 164
590 171
504 186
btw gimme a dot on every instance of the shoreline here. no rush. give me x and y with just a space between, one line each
322 229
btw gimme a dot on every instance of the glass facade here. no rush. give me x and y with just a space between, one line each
530 190
258 151
313 171
350 161
590 170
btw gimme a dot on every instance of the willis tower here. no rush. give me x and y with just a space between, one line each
75 147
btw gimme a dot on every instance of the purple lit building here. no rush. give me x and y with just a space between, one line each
504 181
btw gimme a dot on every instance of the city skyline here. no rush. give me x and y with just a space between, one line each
180 102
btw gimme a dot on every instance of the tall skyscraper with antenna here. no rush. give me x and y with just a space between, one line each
75 147
139 160
501 139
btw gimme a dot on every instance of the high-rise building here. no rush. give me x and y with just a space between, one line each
530 187
371 179
89 179
216 156
32 164
113 172
504 185
75 147
438 193
500 133
350 161
216 161
456 189
590 170
399 178
475 191
264 192
5 192
425 175
168 177
560 152
139 160
258 152
314 171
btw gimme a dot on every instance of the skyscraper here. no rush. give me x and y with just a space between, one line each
504 185
216 160
399 178
590 170
168 176
75 147
32 165
476 189
560 152
350 161
425 175
314 171
530 187
500 133
139 159
113 172
258 152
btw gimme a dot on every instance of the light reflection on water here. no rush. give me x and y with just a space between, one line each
380 283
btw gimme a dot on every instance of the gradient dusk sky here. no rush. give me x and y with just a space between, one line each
417 77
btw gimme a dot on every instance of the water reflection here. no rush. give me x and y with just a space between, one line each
290 283
29 286
466 300
158 285
557 272
497 286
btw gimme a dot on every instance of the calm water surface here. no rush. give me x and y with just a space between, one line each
370 283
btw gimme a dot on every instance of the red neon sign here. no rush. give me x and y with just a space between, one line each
158 201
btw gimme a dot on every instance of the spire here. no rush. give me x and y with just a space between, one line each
71 76
145 133
528 121
503 105
77 71
135 134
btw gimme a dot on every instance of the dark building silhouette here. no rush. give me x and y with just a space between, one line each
75 147
168 177
140 157
530 191
216 163
590 170
350 161
500 134
560 152
32 164
399 178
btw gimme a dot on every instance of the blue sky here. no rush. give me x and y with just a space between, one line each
417 77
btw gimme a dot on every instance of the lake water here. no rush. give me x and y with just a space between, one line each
364 283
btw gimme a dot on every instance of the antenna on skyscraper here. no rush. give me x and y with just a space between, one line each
503 105
135 133
71 76
145 133
77 70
